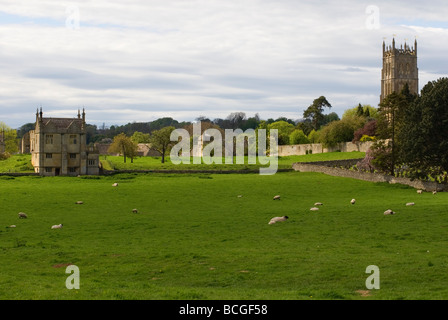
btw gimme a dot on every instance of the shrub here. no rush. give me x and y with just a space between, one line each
298 137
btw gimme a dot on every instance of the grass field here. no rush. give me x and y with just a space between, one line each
155 163
194 238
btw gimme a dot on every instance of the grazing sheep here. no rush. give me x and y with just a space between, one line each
278 219
314 209
79 202
434 192
57 226
388 212
12 226
318 204
22 215
410 204
240 196
115 185
353 201
277 197
134 210
419 191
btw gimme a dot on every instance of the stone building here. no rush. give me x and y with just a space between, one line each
399 68
58 147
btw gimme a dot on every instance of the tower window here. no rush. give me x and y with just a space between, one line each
49 155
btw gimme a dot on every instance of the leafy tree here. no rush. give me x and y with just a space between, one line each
140 137
298 137
9 138
284 130
123 145
315 112
313 136
369 129
423 136
160 140
340 131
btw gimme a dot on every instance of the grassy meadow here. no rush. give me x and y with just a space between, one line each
194 238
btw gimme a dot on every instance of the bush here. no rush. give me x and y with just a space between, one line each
298 137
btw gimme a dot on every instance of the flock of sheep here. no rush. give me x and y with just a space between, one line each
317 204
23 215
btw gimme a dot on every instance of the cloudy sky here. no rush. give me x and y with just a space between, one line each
137 60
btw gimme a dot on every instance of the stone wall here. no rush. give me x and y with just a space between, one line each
334 168
302 149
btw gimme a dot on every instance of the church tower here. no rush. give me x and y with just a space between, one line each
399 67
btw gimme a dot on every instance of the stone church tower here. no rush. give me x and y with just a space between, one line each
399 67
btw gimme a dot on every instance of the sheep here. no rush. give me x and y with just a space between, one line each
419 191
318 204
278 219
12 226
314 209
277 197
57 226
134 210
434 192
240 196
353 201
22 215
410 204
388 212
115 185
79 202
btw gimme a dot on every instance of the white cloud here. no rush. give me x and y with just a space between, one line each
189 58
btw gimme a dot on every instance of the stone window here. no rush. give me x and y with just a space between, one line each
49 139
48 169
72 170
73 139
72 155
49 155
92 162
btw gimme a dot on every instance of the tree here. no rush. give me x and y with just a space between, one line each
123 145
284 130
423 136
340 131
298 137
315 112
161 141
9 137
140 137
369 129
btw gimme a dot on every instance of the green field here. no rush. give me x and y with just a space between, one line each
155 163
194 238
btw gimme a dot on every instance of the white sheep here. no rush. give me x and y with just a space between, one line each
134 210
115 185
57 226
353 201
277 197
410 204
388 212
79 202
12 226
22 215
419 191
278 219
314 209
434 192
318 204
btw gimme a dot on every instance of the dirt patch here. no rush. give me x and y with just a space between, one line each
363 293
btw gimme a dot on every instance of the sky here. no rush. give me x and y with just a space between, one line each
137 60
